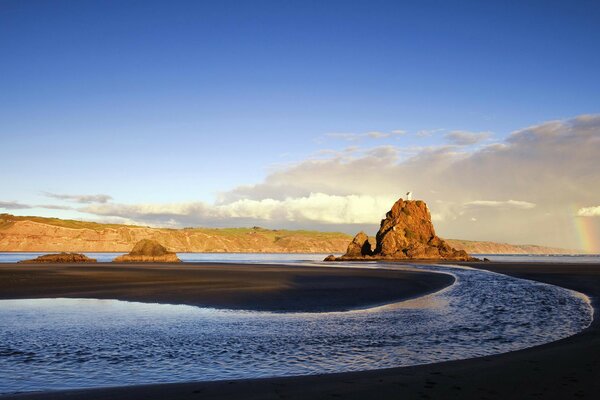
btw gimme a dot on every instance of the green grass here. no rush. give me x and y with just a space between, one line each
7 220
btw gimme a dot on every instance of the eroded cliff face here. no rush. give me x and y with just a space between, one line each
406 233
46 234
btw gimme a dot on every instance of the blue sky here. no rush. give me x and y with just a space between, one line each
183 102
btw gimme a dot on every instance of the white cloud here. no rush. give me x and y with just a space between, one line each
316 207
378 135
13 205
496 203
428 132
589 212
464 138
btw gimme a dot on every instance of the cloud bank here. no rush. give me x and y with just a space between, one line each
589 212
527 188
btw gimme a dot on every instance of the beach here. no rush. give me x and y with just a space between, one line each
568 368
215 285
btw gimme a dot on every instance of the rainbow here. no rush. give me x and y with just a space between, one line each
588 232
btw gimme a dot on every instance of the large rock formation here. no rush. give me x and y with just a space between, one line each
406 233
148 251
60 258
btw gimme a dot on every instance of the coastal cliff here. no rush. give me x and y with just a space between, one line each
51 234
19 233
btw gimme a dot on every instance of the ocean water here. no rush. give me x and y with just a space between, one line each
49 344
568 258
12 257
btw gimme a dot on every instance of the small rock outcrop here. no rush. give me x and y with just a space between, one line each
60 258
359 246
148 251
406 233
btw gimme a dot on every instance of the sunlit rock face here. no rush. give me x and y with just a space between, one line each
60 258
148 251
359 246
406 233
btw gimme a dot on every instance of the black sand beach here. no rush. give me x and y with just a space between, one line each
569 368
240 287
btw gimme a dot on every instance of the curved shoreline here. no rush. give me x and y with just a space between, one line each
563 369
275 288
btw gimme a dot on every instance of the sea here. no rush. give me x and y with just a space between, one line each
60 343
12 257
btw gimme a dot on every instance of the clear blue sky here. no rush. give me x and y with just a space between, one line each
198 97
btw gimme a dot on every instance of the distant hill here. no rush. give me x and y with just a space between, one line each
53 234
475 247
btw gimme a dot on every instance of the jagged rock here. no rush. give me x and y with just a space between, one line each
330 257
148 251
406 233
359 246
61 258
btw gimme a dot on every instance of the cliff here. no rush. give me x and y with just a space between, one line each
477 247
53 234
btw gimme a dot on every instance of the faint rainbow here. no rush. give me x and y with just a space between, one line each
587 236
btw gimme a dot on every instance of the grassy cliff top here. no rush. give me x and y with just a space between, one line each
7 220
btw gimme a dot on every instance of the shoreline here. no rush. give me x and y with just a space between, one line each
566 368
234 286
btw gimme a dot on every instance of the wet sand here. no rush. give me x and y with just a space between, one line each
569 368
239 287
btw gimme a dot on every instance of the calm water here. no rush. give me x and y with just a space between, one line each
273 257
74 343
188 257
569 258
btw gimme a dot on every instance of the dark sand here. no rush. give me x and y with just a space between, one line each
247 287
569 368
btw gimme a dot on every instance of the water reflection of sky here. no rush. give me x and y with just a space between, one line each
71 343
12 257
